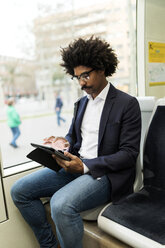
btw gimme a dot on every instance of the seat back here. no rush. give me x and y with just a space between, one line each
147 104
154 149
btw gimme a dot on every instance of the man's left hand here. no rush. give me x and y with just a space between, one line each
73 166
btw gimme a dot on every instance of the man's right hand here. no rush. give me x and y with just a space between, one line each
58 143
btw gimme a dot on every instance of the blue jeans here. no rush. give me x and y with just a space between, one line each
70 194
59 118
16 133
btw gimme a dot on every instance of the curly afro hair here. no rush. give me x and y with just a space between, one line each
92 52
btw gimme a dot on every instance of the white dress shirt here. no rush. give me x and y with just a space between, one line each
90 126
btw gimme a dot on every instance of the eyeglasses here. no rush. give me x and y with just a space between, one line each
83 76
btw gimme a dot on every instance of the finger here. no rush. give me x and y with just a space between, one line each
69 155
53 156
59 160
66 144
67 164
59 138
49 139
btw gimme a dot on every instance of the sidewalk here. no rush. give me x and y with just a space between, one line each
32 130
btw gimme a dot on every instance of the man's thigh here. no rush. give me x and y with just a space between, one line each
84 192
43 183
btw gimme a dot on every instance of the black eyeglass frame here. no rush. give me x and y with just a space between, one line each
83 74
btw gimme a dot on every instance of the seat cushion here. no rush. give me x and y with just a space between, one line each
142 212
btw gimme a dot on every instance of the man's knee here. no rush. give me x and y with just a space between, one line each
60 207
17 191
56 206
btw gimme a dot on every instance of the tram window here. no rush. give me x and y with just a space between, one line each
32 33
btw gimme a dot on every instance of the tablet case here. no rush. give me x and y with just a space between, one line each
51 151
44 158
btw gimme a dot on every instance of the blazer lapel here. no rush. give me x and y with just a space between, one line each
80 112
106 111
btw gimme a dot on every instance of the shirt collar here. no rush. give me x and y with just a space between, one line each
103 93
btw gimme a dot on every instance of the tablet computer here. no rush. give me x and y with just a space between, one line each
51 150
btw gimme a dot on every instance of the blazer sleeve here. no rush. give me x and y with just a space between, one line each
128 145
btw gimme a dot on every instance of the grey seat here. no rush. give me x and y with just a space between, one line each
139 219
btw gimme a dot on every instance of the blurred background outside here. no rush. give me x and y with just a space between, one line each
32 34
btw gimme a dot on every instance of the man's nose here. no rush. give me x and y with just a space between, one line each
82 82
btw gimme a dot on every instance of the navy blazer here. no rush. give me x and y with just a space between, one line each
118 141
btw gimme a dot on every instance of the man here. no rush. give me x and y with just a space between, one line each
103 146
13 121
58 108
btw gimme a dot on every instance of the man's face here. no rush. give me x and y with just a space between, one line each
90 80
